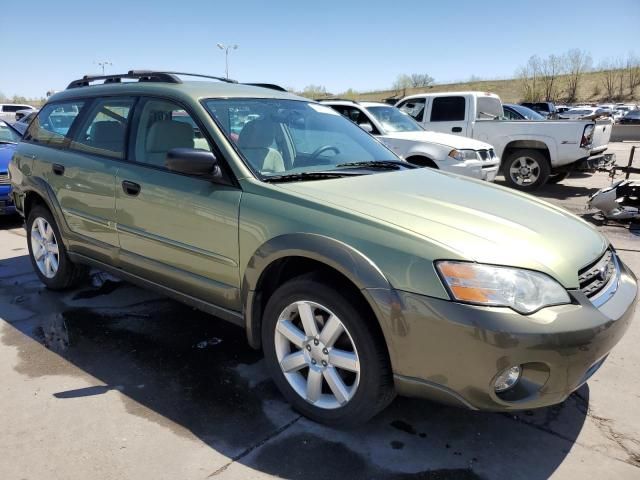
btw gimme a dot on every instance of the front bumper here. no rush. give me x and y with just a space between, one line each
450 352
6 204
481 170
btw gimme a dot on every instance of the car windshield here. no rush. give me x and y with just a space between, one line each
8 134
278 137
527 113
393 120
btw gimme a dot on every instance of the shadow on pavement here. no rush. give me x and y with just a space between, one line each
197 376
10 221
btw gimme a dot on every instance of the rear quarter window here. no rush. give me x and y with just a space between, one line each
52 125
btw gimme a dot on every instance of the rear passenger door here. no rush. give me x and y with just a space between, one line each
84 142
174 229
448 115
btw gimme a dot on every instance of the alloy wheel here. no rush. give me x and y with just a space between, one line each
44 247
524 171
317 354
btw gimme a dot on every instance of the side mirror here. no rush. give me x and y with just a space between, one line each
193 161
367 127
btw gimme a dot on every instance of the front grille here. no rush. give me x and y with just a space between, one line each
595 277
4 178
487 154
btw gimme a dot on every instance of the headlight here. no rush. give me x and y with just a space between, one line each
462 155
522 290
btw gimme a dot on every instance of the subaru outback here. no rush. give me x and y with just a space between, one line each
359 275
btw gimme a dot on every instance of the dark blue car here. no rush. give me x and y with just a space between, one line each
9 137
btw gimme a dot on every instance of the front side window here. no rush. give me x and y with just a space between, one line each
163 125
53 123
414 108
276 136
448 109
393 120
104 129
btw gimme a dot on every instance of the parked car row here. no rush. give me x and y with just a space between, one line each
358 274
9 137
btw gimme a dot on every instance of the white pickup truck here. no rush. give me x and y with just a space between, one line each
532 151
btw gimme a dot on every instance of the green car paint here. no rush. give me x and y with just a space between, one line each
212 243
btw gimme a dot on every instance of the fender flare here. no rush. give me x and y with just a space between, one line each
351 263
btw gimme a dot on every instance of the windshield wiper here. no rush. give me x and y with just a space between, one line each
381 165
302 176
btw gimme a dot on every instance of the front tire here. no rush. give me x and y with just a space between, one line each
526 169
323 354
48 254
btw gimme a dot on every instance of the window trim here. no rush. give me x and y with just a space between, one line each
229 177
433 102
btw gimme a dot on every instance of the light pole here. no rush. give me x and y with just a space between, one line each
226 49
104 64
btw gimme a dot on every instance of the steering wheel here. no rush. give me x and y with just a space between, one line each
324 148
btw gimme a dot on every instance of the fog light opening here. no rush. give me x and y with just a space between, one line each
507 379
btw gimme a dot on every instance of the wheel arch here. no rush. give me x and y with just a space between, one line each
422 160
529 144
287 256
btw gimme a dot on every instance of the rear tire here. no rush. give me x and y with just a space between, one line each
48 254
526 169
335 379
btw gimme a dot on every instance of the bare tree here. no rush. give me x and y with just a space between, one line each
401 84
529 76
612 78
550 69
421 80
632 69
577 63
314 91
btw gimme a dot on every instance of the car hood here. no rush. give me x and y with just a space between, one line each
6 152
453 141
468 219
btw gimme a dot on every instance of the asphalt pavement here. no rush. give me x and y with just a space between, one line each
109 381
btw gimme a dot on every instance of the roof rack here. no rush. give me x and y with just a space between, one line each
337 100
141 76
271 86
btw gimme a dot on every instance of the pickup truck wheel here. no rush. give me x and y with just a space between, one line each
323 355
48 254
526 169
558 177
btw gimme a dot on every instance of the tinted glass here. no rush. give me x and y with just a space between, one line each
526 112
14 108
8 134
277 136
447 109
414 108
53 123
393 120
104 129
164 125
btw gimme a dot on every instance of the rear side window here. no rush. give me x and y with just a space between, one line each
104 129
53 123
447 109
414 108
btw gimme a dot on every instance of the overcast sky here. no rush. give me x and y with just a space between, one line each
338 44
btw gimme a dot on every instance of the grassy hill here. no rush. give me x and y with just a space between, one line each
591 89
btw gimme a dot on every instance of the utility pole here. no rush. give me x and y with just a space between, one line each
226 49
103 64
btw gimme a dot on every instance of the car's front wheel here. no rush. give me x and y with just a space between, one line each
324 356
48 254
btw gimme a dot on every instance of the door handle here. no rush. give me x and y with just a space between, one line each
456 129
57 169
131 188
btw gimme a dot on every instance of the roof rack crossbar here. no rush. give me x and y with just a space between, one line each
222 79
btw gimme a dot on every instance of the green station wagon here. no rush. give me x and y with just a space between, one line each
358 275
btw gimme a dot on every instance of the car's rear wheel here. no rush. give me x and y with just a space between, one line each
48 254
325 358
526 169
